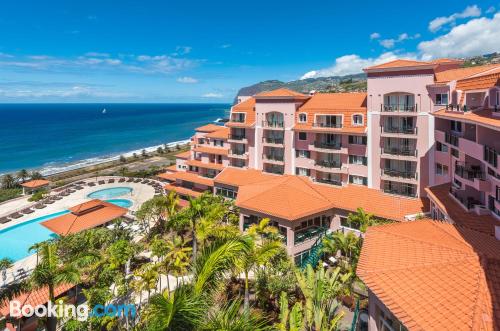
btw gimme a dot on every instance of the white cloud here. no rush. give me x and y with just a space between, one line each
97 54
225 46
182 50
4 55
477 36
437 23
374 35
389 43
491 10
187 80
64 92
212 95
353 64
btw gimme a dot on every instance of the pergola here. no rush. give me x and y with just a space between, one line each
34 185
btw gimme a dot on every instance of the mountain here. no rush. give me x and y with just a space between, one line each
348 83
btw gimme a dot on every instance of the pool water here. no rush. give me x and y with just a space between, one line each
121 202
16 240
110 193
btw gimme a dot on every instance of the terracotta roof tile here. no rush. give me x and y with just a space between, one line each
399 64
223 133
182 190
210 149
238 177
183 155
484 117
34 298
36 183
479 82
171 168
247 107
189 177
209 128
85 216
214 166
281 92
448 205
461 73
433 275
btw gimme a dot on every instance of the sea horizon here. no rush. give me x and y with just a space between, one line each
32 132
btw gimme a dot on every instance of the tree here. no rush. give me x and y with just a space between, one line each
135 156
361 220
263 229
36 175
123 171
123 159
177 256
8 182
51 272
156 210
159 150
22 175
348 244
146 280
229 317
144 153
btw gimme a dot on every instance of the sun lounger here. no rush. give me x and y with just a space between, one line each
48 202
111 181
138 180
4 220
28 211
57 197
121 180
101 182
15 215
130 180
91 184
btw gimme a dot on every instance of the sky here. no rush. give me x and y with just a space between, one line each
204 51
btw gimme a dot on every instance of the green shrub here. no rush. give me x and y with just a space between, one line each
37 196
10 193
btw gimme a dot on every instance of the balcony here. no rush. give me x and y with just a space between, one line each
451 138
273 141
238 118
490 156
406 191
308 234
239 154
398 108
328 164
237 138
399 130
399 151
273 158
399 174
337 145
468 202
273 124
331 181
327 125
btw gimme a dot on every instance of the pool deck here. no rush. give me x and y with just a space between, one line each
139 194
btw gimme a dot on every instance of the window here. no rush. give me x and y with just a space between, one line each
303 153
225 192
442 99
441 147
358 159
302 135
357 120
441 169
454 152
302 118
218 142
456 126
358 180
498 98
238 117
302 171
357 140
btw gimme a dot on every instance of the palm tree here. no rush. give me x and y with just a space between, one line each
156 211
263 229
229 317
8 182
51 272
36 175
258 254
348 244
146 280
360 220
22 175
177 256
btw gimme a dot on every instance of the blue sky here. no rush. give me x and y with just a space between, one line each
204 51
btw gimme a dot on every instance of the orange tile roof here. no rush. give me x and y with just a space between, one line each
35 183
281 92
196 163
346 104
210 149
347 198
446 60
85 216
208 128
183 155
168 176
399 64
479 82
286 197
182 190
39 296
483 117
171 168
247 107
190 177
223 133
238 177
434 275
451 207
461 73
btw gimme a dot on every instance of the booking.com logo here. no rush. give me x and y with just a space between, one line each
62 310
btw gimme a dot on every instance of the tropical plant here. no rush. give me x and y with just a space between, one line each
51 272
22 175
8 182
349 245
146 279
156 211
230 317
263 229
362 220
36 175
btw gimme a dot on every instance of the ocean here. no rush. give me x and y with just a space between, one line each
57 137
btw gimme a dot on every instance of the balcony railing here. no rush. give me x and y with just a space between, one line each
469 172
335 182
273 124
328 145
237 152
273 157
308 234
328 164
399 108
399 173
451 139
467 202
490 156
404 191
403 151
327 125
237 137
399 129
272 140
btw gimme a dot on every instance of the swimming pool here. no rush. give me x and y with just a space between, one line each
121 202
109 193
16 240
